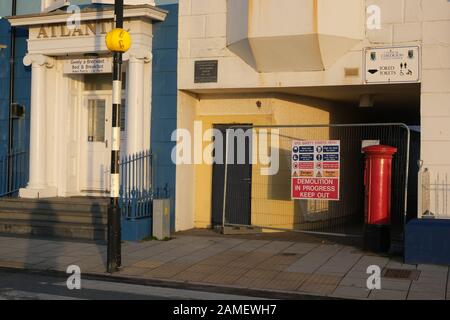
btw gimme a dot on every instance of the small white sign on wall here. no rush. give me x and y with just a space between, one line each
91 65
392 65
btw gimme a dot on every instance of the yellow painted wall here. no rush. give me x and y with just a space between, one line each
271 203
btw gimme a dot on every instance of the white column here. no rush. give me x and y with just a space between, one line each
135 121
38 183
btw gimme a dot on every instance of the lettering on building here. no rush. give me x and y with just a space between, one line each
87 29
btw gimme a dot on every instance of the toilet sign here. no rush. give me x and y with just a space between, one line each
392 65
315 170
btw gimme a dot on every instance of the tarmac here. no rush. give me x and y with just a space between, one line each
278 266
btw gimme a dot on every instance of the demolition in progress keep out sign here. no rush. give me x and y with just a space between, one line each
315 170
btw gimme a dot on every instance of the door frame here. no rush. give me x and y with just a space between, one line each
223 127
82 178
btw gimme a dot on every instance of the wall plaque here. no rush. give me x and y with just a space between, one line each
206 71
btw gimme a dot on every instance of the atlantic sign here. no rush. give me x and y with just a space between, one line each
88 29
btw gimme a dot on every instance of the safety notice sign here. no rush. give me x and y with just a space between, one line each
315 170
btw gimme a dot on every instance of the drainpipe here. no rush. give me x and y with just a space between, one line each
12 56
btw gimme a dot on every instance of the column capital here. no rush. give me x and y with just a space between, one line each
138 55
39 59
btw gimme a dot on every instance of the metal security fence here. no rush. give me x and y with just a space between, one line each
257 191
136 192
17 171
434 195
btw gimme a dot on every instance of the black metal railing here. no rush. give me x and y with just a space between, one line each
136 191
13 173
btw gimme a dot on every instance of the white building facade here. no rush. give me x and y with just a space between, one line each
310 55
70 121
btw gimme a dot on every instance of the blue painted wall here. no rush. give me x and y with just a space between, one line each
164 100
4 85
22 95
22 89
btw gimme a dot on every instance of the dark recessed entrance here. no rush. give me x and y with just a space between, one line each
239 179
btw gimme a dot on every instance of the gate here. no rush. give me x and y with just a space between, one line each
271 203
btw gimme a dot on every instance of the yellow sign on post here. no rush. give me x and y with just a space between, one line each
118 40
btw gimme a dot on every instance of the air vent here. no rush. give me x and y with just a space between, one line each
402 274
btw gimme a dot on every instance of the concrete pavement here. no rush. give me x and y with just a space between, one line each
322 269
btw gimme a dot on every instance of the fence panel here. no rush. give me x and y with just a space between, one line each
18 167
136 192
434 195
271 203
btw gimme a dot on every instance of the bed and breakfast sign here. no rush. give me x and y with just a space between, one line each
315 170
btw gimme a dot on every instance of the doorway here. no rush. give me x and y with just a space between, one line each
239 179
96 143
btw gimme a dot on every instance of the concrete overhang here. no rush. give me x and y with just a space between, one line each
386 96
89 14
294 35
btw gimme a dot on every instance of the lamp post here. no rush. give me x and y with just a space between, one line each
118 41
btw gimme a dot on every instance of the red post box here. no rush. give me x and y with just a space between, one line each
377 182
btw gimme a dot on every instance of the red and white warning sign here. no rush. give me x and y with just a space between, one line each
315 170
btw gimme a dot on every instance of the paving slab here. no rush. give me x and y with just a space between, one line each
439 288
429 267
301 248
148 264
351 292
261 274
284 285
385 294
311 268
133 271
275 246
354 282
166 271
396 285
414 295
253 283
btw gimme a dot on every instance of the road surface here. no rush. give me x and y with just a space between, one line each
33 286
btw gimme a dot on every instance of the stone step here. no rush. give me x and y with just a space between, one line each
62 230
60 216
69 218
75 205
231 230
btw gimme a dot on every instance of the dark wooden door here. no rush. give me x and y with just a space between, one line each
239 181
